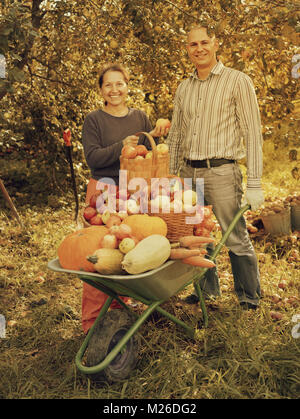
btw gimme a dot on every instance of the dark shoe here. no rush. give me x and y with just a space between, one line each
191 299
248 306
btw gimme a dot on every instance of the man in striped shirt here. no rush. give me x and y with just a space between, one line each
215 122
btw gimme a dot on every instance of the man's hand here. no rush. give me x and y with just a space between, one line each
254 197
161 128
159 131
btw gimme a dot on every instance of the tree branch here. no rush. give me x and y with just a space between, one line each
36 18
53 81
179 8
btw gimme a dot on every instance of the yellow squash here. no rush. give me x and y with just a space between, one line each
107 261
149 253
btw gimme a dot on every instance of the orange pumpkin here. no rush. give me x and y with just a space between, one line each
76 246
144 225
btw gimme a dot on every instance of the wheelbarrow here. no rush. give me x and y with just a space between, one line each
111 345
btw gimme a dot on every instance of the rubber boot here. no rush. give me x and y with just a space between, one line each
246 278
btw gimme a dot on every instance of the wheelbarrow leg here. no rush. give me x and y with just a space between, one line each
118 347
201 300
84 345
189 330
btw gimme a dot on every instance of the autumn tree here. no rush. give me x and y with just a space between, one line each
54 49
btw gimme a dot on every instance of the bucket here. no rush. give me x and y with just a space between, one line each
295 217
278 223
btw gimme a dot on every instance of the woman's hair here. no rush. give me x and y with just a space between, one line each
113 67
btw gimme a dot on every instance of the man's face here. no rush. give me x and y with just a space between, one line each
201 48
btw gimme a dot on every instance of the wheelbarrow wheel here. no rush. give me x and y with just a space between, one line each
108 332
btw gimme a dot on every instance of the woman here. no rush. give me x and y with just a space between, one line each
105 132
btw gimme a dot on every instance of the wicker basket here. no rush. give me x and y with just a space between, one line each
279 223
177 226
295 217
157 166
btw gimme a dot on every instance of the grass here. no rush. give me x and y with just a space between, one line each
241 355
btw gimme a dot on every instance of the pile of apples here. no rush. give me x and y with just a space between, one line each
119 235
96 214
160 199
293 200
140 152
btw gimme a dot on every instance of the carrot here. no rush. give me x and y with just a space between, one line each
182 252
202 250
198 261
187 241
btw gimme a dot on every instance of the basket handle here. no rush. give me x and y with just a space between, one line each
150 138
152 143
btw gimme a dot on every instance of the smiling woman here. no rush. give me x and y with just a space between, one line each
113 83
105 131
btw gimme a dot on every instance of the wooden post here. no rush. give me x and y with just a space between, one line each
10 203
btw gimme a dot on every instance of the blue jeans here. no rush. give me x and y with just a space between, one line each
223 190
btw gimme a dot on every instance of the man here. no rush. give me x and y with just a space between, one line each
215 121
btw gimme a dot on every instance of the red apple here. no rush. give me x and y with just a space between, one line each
105 216
93 199
114 229
124 230
113 220
161 122
162 148
208 223
141 150
139 158
96 220
109 241
122 215
129 152
89 212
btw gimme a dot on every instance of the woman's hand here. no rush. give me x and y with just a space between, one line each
130 140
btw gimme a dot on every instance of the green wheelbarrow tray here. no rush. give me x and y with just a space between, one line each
152 288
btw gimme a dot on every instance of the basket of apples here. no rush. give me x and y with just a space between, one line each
99 207
179 208
139 162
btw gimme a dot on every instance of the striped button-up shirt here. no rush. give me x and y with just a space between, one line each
217 118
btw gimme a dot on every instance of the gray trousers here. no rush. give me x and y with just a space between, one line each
223 190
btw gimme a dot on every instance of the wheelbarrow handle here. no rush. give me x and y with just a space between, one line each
229 231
